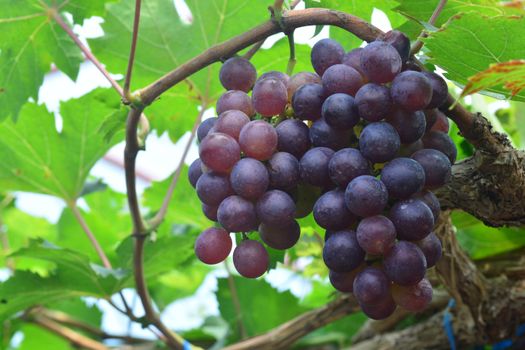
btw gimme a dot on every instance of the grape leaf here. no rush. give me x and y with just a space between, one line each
421 10
511 75
469 43
165 42
36 337
30 41
36 158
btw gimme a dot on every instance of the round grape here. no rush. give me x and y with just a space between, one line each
441 124
323 135
379 142
194 172
269 97
235 99
325 53
405 263
205 127
344 281
412 219
213 245
379 311
366 196
399 41
410 126
275 207
341 78
307 101
330 211
347 164
439 89
293 136
314 166
342 253
353 59
373 102
273 74
413 298
300 79
212 188
403 177
283 236
442 142
237 214
258 139
210 211
219 152
249 178
339 111
380 62
431 248
411 90
376 234
250 259
436 165
431 200
237 73
284 171
431 116
231 123
371 286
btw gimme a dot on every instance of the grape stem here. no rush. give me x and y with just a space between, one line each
133 48
419 42
291 60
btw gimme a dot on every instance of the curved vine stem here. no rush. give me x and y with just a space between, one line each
419 43
133 48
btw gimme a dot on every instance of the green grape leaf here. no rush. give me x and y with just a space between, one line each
79 310
510 75
359 8
470 43
31 41
35 157
481 241
421 11
273 308
166 42
36 337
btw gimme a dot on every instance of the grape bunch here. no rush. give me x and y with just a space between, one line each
360 143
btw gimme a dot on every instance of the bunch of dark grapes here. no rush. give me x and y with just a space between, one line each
360 143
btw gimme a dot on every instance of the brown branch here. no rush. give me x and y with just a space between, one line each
73 337
253 50
134 38
419 43
290 20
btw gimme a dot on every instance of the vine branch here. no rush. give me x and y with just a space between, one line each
134 38
419 42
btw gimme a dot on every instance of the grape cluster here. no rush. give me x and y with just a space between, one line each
360 143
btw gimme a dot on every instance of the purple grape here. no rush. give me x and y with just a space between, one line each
293 136
379 142
275 207
353 59
330 211
283 236
325 53
212 188
314 166
411 90
339 111
371 286
373 102
205 127
213 245
431 116
407 150
250 259
219 152
273 74
237 214
323 135
258 139
441 124
235 99
307 101
366 196
405 263
431 200
379 311
249 178
194 172
410 126
376 234
237 73
413 298
431 248
210 211
412 219
284 171
399 41
436 165
347 164
300 79
403 177
380 62
341 78
442 142
269 97
439 89
342 253
344 281
231 123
